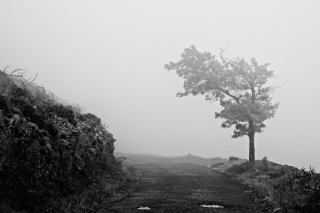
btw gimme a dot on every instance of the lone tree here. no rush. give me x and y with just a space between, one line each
240 87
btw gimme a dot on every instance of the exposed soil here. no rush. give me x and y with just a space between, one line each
168 186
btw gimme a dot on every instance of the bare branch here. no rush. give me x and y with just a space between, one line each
222 51
223 59
5 69
274 77
276 87
17 73
31 80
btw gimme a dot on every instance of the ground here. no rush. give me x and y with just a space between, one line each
171 186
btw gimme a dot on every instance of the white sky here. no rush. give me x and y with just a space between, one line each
109 56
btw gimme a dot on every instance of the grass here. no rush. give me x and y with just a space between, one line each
288 188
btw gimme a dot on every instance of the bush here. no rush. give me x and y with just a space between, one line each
233 158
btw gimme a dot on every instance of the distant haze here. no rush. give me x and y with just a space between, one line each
109 56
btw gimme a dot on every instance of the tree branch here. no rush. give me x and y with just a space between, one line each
276 87
223 59
230 95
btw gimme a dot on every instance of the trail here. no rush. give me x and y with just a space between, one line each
168 186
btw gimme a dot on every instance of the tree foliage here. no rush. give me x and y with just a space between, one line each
239 86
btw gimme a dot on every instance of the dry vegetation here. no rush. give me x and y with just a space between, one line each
288 188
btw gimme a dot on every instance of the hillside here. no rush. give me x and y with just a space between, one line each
142 158
287 188
53 158
208 162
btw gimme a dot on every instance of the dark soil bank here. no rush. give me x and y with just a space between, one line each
168 186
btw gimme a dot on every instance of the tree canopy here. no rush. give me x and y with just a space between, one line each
240 87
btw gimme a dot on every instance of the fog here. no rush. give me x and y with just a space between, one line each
109 56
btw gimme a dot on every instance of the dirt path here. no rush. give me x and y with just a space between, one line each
168 186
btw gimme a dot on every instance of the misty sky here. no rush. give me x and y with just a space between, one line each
109 56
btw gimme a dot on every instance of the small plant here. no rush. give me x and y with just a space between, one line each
264 164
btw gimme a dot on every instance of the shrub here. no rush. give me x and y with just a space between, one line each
216 165
233 158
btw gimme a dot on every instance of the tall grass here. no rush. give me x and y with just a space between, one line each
288 188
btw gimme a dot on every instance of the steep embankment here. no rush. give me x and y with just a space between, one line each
52 157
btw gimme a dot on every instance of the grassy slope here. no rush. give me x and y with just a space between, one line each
288 188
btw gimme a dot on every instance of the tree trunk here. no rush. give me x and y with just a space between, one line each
251 141
251 147
251 128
